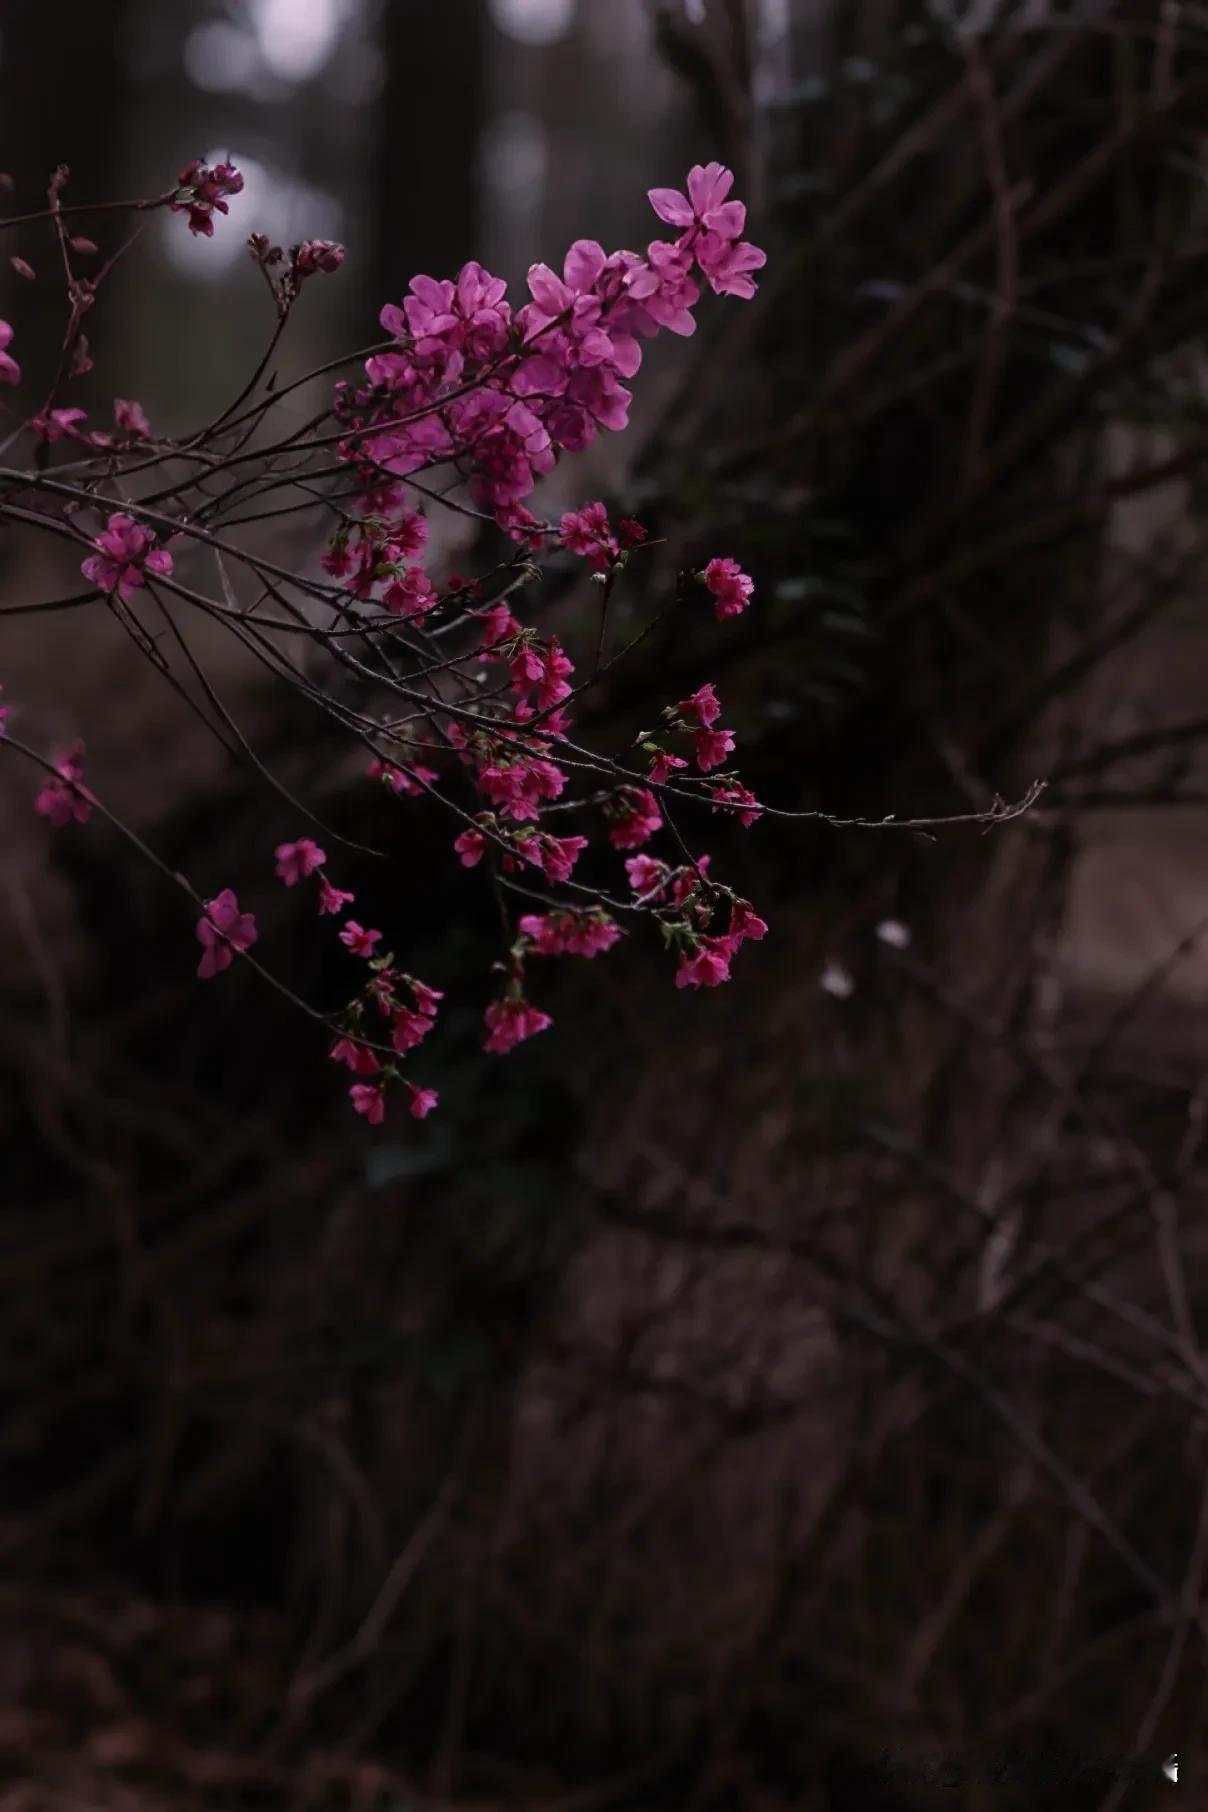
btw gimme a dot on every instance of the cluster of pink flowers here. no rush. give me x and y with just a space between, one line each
126 553
497 395
202 192
502 392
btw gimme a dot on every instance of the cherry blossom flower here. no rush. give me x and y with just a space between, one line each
712 747
295 861
130 417
357 1056
332 899
586 531
369 1099
61 798
664 765
204 190
423 1100
58 425
646 876
10 371
318 255
126 552
731 588
707 966
471 847
730 795
222 930
358 940
636 819
510 1021
702 707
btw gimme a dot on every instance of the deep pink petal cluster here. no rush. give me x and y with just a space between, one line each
126 553
223 929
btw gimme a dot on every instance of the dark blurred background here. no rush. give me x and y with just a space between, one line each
759 1401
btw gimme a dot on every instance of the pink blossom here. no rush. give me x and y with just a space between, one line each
358 940
686 881
297 860
130 417
10 371
701 707
425 997
411 594
708 186
554 856
570 933
332 899
745 922
59 424
636 820
318 255
712 747
205 190
423 1100
519 787
727 266
223 929
510 1021
664 286
707 966
126 552
646 876
471 847
358 1057
501 625
731 587
409 533
730 795
663 766
586 531
369 1099
541 672
62 798
409 1029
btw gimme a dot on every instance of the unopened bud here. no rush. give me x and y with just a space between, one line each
22 269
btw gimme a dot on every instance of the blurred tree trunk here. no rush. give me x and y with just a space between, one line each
428 176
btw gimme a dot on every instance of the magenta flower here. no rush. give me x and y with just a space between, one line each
586 531
646 876
130 417
423 1100
204 190
707 966
357 1056
727 265
712 747
731 796
58 424
62 797
471 847
318 255
705 203
731 587
126 552
369 1098
295 861
636 820
222 930
332 899
663 766
701 707
509 1022
10 371
358 940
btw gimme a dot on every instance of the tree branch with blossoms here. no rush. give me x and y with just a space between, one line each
467 405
